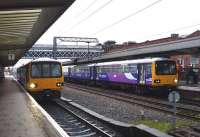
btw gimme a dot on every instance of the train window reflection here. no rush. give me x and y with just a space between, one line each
36 70
55 70
165 68
132 68
46 70
148 69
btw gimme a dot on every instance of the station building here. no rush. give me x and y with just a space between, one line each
184 60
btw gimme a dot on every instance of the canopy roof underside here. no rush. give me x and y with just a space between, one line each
22 22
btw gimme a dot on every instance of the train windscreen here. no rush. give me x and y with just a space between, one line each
46 69
165 67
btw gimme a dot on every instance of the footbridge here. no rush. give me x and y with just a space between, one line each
67 48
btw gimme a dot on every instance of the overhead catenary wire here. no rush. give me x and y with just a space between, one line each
83 11
86 9
174 30
90 15
125 18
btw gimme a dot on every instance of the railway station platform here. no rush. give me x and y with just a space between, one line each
16 119
189 87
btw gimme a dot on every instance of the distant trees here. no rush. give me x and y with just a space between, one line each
108 45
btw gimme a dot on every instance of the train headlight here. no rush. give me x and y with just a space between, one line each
157 81
33 85
59 84
175 80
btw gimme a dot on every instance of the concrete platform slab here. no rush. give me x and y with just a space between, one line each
16 119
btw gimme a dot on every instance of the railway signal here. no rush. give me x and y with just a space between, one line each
173 98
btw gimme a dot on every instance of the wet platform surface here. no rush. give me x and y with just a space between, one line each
16 119
189 87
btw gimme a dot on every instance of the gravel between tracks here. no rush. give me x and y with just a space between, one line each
112 108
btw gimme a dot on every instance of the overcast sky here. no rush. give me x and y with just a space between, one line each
134 20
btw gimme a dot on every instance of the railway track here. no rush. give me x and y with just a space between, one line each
190 97
191 102
192 131
183 110
76 122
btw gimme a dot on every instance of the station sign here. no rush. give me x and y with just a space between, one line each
11 56
174 97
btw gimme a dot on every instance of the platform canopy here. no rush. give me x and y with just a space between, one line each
22 22
190 45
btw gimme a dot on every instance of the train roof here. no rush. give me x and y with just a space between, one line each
70 66
40 60
45 60
135 61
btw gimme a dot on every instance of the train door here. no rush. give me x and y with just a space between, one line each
141 73
69 72
93 72
27 74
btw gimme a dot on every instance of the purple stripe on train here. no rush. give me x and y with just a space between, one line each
117 77
128 78
148 81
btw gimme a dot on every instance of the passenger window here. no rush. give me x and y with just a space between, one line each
46 70
132 68
125 70
56 70
148 69
36 70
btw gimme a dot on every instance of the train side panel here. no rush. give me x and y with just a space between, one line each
81 73
144 71
116 74
22 75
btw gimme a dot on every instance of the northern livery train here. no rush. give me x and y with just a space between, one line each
143 75
42 77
